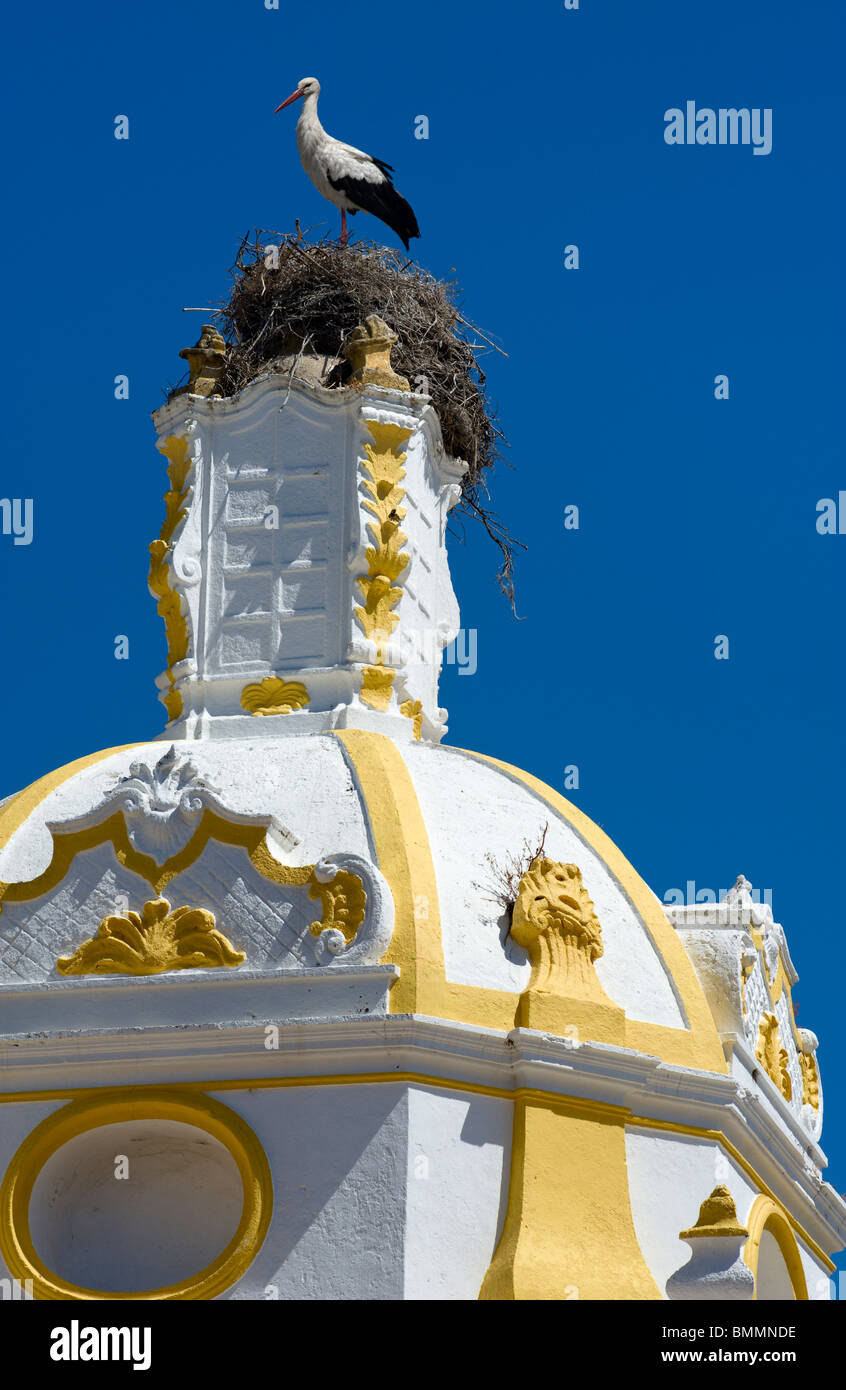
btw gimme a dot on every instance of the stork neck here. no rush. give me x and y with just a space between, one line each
309 119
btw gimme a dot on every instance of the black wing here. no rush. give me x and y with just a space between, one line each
382 200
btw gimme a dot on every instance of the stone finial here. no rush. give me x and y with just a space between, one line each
717 1217
368 351
206 361
716 1268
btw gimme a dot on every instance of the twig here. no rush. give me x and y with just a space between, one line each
468 324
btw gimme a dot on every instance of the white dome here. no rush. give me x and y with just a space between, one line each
433 823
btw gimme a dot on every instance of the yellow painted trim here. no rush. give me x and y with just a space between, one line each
575 1103
20 806
113 830
766 1215
697 1046
568 1229
382 475
402 850
405 858
115 1107
554 920
343 899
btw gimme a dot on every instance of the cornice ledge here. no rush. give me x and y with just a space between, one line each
209 407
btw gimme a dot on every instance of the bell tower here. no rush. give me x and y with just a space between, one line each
301 571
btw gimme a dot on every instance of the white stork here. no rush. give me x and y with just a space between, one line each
349 178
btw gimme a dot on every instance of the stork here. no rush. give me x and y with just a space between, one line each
349 178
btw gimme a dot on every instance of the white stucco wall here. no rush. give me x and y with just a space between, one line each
670 1175
304 782
459 1160
473 810
17 1120
380 1191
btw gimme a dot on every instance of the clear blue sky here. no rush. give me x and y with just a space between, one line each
697 515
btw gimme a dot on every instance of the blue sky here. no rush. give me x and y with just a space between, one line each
697 515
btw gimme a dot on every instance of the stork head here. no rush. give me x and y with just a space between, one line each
306 87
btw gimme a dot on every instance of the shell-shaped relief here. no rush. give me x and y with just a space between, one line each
274 696
151 942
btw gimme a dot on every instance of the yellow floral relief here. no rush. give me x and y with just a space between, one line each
161 938
383 472
151 942
772 1056
274 696
169 604
810 1081
413 709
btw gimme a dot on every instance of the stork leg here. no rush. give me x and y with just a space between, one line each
343 226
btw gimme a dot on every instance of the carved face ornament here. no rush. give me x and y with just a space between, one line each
553 901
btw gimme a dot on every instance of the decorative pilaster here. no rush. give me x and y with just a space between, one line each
383 472
568 1230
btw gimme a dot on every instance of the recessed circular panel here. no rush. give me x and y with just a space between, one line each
139 1195
135 1206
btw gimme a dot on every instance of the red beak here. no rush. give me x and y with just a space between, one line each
287 102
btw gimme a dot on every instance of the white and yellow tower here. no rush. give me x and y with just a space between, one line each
266 1030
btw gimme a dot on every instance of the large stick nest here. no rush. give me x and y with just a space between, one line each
304 299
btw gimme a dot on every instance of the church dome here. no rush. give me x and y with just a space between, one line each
447 830
364 1014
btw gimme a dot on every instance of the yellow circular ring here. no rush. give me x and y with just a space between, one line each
115 1107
